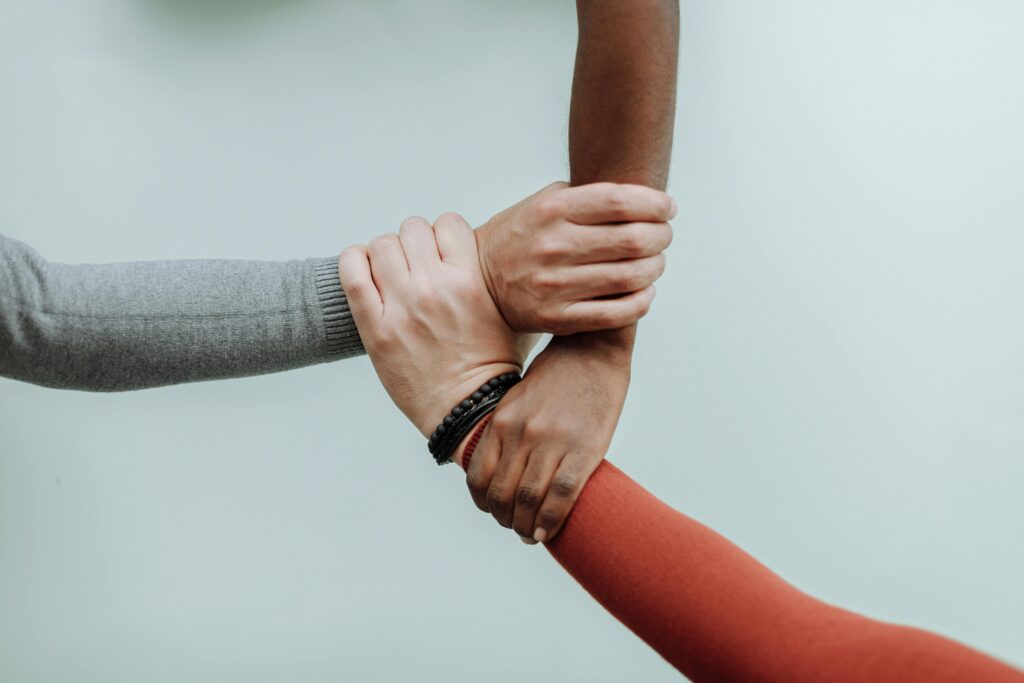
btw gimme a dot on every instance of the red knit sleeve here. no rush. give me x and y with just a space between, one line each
717 614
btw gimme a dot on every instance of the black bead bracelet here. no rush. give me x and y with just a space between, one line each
463 417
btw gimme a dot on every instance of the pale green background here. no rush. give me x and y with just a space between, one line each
831 375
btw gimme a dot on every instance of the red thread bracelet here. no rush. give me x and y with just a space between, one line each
474 439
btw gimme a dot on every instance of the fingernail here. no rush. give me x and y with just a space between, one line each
527 540
540 535
675 208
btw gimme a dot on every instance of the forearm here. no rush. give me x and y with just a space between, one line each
717 614
624 92
622 113
137 325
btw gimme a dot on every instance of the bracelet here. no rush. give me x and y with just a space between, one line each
457 424
473 441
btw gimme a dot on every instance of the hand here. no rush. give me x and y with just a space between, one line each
550 432
554 261
425 316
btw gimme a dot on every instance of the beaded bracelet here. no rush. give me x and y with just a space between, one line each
457 424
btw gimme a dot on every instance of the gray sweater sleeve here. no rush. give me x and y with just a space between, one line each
138 325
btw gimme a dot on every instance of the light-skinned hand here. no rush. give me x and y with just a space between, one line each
577 259
425 317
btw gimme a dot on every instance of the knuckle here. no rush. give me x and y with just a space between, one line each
415 222
550 206
477 483
387 240
565 485
353 285
549 249
534 430
527 496
547 281
627 279
617 199
385 340
502 423
352 251
498 498
664 204
449 217
632 242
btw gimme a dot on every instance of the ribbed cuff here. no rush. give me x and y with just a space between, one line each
341 338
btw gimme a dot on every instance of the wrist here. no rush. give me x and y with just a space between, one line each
464 453
462 387
483 238
611 347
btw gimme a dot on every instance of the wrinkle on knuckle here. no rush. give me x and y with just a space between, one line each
546 281
550 249
625 277
632 242
550 206
477 483
615 196
498 499
527 496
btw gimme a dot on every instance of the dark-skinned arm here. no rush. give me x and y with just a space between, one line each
551 432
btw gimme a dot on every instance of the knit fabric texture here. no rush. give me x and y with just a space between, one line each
127 326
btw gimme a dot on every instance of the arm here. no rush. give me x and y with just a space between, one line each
717 614
534 462
714 612
138 325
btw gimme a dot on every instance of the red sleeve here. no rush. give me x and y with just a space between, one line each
717 614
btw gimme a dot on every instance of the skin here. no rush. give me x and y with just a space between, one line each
554 261
432 327
426 318
551 431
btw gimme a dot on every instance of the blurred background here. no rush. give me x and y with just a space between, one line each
831 375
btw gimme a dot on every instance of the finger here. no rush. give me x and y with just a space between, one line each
566 485
533 486
553 187
501 491
357 282
607 314
615 203
455 240
387 264
610 279
482 466
601 243
417 239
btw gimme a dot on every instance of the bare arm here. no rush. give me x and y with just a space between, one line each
552 430
624 92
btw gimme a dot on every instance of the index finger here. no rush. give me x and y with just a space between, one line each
617 203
